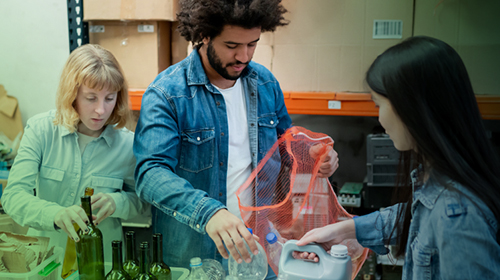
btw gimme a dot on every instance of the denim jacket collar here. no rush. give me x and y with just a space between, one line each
429 192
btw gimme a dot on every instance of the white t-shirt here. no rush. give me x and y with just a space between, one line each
83 140
239 158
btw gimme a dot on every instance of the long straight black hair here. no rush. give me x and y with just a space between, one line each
429 88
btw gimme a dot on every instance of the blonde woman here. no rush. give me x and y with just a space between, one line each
83 143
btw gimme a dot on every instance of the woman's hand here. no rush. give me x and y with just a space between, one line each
226 228
65 218
326 236
106 205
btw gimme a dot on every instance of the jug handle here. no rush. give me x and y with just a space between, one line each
291 246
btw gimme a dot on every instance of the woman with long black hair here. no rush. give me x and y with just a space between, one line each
447 226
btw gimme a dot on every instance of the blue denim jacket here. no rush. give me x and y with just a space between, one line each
181 146
452 234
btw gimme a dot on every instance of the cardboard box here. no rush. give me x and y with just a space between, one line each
22 253
130 9
49 269
328 45
179 45
10 115
471 28
141 47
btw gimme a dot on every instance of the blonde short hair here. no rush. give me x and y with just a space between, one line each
97 68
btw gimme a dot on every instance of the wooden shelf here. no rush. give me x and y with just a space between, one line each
342 104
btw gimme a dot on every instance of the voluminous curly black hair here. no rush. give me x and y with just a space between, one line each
199 19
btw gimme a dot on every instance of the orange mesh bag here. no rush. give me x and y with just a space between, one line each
284 195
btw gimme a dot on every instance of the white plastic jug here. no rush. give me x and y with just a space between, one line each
334 266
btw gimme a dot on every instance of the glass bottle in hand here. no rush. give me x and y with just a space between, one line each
117 272
144 273
131 264
158 268
89 250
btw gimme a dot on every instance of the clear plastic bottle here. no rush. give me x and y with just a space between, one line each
197 272
213 269
255 270
274 248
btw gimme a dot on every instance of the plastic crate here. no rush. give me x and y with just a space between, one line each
178 273
50 269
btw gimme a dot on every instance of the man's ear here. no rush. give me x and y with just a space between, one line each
205 41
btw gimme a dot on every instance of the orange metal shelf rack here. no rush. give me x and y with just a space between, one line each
342 104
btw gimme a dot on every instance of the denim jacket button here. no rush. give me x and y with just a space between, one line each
252 94
272 122
217 103
252 124
198 138
175 214
220 194
222 134
221 163
197 226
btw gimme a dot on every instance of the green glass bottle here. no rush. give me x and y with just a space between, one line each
117 272
89 250
144 273
131 264
158 268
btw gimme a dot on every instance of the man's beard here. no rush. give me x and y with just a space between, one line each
216 64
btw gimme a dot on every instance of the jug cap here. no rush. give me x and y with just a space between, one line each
339 251
271 238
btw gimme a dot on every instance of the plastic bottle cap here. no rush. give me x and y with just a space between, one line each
338 251
195 262
271 238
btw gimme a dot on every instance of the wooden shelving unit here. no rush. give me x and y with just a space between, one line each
342 104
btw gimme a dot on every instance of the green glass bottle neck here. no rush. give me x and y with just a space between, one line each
143 268
130 249
117 258
87 207
157 250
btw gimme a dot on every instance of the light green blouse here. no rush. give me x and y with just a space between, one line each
49 159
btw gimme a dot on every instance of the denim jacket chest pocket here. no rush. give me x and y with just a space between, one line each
425 260
197 149
106 184
267 132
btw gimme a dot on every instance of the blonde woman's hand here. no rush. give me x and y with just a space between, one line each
65 218
106 205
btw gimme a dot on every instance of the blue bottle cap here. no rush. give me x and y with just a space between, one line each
271 238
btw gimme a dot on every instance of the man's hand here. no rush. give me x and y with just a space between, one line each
65 218
106 205
330 161
226 228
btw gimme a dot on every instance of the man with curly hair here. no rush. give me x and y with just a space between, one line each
205 123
